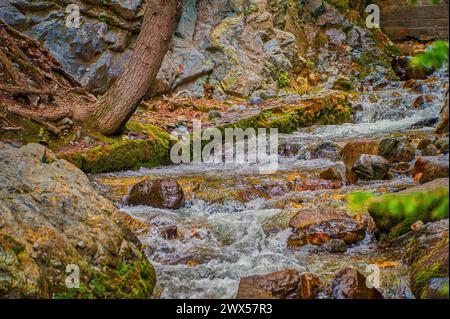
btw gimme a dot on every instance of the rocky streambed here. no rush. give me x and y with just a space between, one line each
237 226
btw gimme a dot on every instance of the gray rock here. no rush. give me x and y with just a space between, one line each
11 15
371 167
126 8
256 101
89 40
47 208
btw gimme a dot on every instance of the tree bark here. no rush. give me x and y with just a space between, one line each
114 109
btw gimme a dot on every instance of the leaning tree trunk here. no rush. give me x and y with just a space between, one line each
115 108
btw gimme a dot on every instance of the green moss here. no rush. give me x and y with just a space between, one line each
428 264
331 109
395 213
121 153
128 281
283 79
343 85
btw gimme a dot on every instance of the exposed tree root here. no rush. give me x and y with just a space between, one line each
23 112
26 90
34 86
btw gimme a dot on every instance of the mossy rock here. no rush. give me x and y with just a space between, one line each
329 109
128 281
427 254
151 149
395 213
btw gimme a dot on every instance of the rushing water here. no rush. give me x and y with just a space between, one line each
221 241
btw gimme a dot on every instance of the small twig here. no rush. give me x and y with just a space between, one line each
10 128
52 128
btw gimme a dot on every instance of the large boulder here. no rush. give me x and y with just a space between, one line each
159 193
286 284
318 227
52 223
428 168
351 284
427 254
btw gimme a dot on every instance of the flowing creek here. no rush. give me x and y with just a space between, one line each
223 227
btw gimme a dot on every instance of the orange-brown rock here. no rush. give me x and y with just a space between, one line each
354 149
157 193
429 168
316 228
286 284
351 284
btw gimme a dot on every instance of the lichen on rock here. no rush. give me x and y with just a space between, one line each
53 221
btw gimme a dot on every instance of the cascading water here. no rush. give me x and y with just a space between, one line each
220 241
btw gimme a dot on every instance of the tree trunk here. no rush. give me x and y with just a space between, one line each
114 109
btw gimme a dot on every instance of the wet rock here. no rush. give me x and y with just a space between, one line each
158 193
396 150
402 168
428 168
371 167
288 149
430 150
168 232
49 213
427 254
351 284
430 122
265 189
316 228
326 150
286 284
443 145
354 149
424 143
444 120
406 153
278 222
405 71
422 101
337 172
335 246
